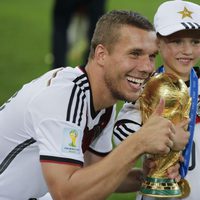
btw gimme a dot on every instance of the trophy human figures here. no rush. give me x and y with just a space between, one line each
177 107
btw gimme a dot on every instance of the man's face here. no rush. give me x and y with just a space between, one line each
130 62
180 52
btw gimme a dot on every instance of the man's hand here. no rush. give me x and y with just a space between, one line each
172 172
181 135
158 132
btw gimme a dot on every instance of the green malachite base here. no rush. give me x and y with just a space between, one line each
160 187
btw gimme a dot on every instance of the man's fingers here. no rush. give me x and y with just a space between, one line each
173 172
170 143
149 163
184 124
172 128
159 108
181 159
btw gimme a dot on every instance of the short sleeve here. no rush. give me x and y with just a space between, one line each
59 140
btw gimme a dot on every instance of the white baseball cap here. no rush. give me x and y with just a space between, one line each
173 16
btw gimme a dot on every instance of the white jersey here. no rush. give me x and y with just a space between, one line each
51 119
129 121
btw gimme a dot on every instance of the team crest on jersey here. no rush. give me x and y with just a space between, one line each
71 141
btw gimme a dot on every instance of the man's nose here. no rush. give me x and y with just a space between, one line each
148 64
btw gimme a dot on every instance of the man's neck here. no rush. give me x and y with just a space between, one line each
101 95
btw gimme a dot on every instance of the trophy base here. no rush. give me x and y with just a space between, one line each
185 188
160 187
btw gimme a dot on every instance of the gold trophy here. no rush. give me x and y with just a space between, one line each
177 106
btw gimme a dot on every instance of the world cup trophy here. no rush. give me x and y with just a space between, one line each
177 107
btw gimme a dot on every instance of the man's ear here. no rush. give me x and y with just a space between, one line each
100 54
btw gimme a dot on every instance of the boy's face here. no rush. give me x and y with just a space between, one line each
180 52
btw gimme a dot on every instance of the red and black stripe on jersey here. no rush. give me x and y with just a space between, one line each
60 160
90 135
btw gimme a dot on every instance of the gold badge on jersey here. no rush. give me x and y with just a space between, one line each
70 142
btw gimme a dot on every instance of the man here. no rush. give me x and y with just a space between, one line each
177 24
63 145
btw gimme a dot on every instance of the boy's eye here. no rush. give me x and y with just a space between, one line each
176 41
196 42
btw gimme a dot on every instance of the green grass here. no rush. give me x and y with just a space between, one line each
25 35
24 42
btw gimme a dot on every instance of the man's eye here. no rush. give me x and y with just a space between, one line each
136 54
153 55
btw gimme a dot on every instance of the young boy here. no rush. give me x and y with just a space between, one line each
177 25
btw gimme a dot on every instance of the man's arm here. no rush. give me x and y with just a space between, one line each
99 180
132 181
96 181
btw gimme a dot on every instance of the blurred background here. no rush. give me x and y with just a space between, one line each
26 37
